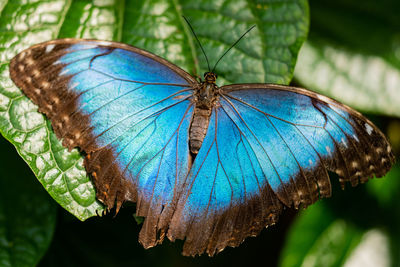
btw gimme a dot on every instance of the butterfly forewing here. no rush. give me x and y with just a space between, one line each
127 109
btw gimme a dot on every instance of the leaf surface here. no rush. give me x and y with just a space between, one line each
353 54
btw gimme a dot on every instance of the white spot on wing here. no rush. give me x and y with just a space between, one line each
49 48
105 43
300 193
22 55
371 167
368 128
74 85
65 71
323 98
30 61
36 73
339 172
328 149
90 45
45 84
343 141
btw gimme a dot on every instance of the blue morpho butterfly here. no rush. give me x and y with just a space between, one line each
211 165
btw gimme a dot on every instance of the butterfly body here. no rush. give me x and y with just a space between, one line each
205 97
211 165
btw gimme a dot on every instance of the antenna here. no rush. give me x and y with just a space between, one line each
204 53
232 46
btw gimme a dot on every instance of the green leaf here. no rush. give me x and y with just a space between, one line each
318 238
27 214
339 231
353 54
386 190
376 244
61 172
267 54
387 193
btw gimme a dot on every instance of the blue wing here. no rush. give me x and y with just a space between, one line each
269 145
127 109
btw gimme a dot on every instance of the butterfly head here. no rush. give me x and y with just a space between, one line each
206 91
210 77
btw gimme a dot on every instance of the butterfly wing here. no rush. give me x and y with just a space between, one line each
270 146
126 108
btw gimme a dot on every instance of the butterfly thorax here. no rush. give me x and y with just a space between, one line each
204 96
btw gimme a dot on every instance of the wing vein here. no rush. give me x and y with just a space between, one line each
266 114
258 141
133 114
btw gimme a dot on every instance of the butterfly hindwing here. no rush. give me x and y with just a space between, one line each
127 109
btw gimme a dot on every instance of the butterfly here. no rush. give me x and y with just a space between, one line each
211 165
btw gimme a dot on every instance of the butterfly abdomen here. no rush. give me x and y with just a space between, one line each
198 128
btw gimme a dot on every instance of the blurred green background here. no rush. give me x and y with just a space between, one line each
352 53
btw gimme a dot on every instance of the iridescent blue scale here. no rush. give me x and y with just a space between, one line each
137 116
